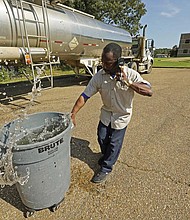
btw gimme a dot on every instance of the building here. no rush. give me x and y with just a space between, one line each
184 45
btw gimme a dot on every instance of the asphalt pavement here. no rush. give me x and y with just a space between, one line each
151 179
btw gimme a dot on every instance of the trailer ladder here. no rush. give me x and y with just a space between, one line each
42 35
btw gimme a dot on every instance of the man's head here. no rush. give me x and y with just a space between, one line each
110 55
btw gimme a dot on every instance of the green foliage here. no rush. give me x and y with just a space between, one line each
4 75
8 73
162 51
170 52
24 73
123 13
174 50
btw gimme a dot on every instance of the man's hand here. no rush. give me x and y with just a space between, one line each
77 106
140 88
122 76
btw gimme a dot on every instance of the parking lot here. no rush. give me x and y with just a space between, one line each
151 179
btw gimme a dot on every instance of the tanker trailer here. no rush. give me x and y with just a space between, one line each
38 33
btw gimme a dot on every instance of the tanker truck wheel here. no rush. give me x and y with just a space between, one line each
133 66
149 70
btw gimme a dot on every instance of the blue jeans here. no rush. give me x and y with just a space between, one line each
110 141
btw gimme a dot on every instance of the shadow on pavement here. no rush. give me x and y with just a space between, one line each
80 149
16 91
11 196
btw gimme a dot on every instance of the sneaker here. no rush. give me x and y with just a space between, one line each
100 177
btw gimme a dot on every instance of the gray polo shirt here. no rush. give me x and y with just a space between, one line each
116 96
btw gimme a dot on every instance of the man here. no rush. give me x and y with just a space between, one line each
116 85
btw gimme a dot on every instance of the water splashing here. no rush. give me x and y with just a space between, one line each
51 128
18 134
8 173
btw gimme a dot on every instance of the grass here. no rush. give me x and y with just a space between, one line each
22 78
173 62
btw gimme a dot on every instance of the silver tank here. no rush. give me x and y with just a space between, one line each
72 35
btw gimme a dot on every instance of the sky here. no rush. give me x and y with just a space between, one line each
166 20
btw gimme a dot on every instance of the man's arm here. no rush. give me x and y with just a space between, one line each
77 106
141 88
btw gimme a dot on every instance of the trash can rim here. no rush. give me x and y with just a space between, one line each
41 143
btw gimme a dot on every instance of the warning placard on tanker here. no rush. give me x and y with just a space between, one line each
73 43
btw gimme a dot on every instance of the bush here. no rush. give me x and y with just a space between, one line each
4 74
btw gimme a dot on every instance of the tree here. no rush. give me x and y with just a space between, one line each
164 51
174 50
123 13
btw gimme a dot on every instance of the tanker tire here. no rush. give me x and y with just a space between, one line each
133 66
149 70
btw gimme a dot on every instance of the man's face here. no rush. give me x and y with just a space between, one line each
109 63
